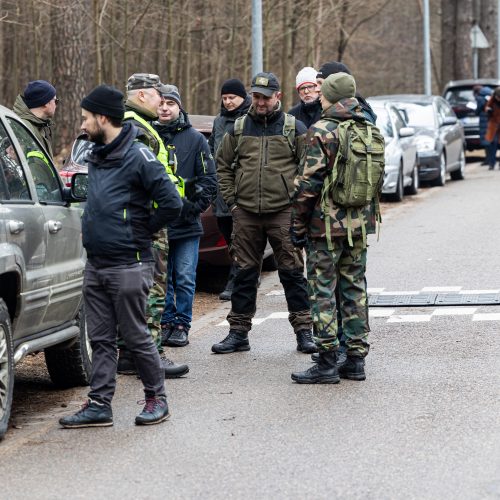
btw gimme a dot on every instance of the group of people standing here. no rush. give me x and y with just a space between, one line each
151 175
488 110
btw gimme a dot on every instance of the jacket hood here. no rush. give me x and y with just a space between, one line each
111 155
143 112
240 110
24 112
344 110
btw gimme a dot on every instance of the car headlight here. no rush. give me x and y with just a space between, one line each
425 143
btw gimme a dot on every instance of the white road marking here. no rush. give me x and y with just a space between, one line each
441 288
475 292
454 311
410 318
486 317
381 313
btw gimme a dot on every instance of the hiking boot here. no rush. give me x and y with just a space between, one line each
126 363
226 293
324 372
305 342
178 337
235 341
166 331
353 368
341 358
92 414
155 411
173 370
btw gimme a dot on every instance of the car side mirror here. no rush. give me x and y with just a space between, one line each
449 120
406 132
78 190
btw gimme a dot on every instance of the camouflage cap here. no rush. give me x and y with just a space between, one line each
265 83
143 81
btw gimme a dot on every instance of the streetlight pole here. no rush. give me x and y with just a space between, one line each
427 50
257 64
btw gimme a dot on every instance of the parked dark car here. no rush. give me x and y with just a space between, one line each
401 166
439 135
460 95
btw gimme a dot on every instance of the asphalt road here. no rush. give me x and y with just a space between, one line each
425 423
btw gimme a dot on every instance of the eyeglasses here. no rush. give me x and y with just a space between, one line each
57 100
308 88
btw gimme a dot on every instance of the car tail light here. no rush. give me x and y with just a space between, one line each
66 177
221 242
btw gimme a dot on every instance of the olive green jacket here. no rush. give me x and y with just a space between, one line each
42 129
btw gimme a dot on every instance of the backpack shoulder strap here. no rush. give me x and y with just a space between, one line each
289 130
239 123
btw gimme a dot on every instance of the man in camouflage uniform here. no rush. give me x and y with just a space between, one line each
349 262
143 99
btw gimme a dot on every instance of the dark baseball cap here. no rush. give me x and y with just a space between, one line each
265 83
143 81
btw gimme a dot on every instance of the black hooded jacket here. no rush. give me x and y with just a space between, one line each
308 113
195 163
118 223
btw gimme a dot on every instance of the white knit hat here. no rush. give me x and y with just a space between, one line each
305 75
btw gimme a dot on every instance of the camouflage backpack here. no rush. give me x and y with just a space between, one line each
357 174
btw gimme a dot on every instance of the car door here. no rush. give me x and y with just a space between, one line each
450 134
64 260
23 234
407 144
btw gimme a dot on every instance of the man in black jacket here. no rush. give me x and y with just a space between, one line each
196 166
117 228
308 110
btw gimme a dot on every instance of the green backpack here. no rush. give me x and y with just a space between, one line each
357 173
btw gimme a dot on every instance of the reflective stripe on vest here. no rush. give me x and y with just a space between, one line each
38 154
163 153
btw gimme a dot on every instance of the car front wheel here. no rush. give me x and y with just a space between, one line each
6 368
415 182
441 179
459 174
399 193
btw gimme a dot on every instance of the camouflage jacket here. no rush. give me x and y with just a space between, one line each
321 149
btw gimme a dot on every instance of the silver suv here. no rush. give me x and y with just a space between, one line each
41 265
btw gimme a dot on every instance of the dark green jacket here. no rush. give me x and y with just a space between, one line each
263 179
42 129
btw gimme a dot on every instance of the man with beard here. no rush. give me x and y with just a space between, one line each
258 161
235 102
308 110
117 228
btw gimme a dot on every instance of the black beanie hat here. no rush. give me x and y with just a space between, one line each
233 86
105 100
330 68
38 93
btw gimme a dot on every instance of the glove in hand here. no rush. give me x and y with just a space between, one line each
298 241
189 210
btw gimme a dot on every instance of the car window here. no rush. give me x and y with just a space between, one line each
459 96
397 120
418 115
384 122
446 109
13 184
46 181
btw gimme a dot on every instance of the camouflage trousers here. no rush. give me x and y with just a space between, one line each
343 267
156 298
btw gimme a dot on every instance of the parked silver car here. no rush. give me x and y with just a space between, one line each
41 265
440 136
401 169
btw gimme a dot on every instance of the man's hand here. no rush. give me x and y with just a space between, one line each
189 210
298 240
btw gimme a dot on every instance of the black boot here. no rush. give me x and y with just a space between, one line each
228 290
235 341
178 337
305 342
126 366
341 358
353 368
166 331
155 411
324 372
126 363
173 370
92 414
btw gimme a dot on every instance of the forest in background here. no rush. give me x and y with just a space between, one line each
197 44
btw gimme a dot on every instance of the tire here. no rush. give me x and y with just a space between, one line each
6 368
71 366
398 195
412 189
441 179
459 174
270 264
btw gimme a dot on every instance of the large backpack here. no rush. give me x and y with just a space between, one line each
357 173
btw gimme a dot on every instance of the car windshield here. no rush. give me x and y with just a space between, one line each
460 96
418 114
80 151
383 121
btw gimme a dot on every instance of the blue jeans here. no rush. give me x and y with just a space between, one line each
181 281
491 152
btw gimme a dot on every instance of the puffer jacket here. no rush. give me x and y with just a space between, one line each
222 123
322 145
42 129
262 180
118 223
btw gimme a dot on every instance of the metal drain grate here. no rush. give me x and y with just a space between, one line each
434 299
